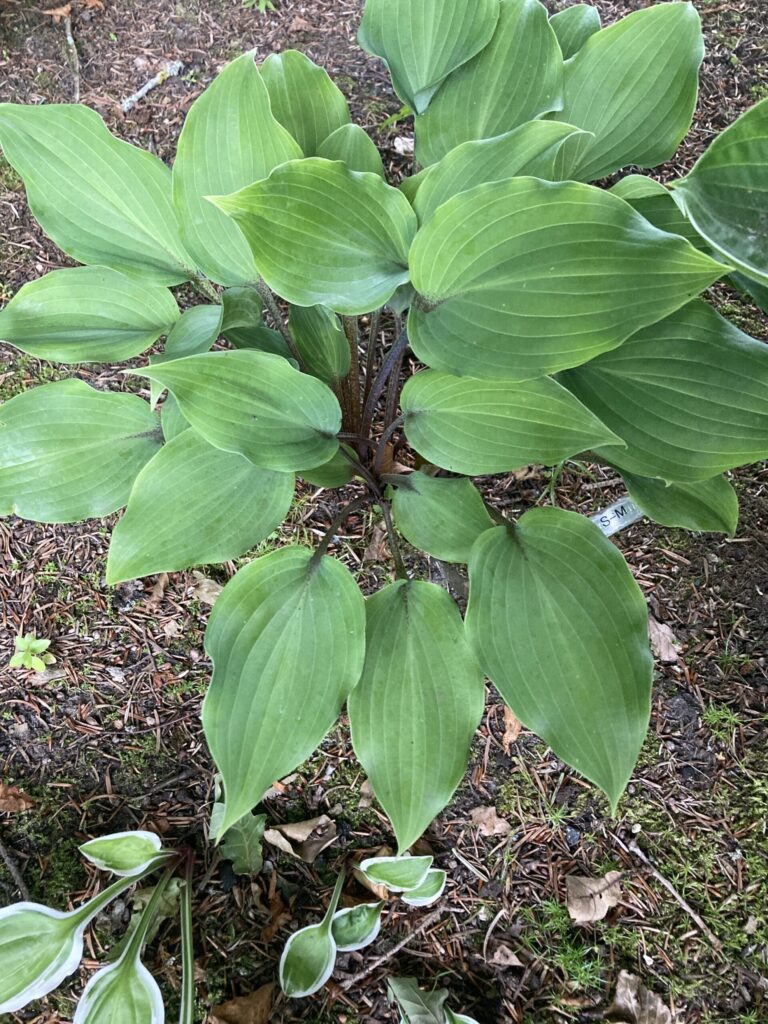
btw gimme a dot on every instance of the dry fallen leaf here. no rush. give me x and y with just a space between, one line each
488 821
377 550
366 795
299 25
12 800
664 643
512 729
156 594
380 891
303 839
204 590
590 899
503 956
59 13
634 1003
255 1008
278 912
97 5
404 145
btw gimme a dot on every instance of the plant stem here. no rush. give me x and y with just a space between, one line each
394 544
204 286
95 905
133 949
381 447
370 354
380 381
336 522
393 390
351 383
268 298
187 1008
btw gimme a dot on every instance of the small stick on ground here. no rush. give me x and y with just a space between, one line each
429 920
74 58
13 871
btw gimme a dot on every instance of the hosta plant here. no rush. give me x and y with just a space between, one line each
521 299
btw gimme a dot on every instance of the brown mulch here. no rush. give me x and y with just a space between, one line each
110 738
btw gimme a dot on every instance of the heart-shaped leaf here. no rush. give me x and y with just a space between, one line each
255 404
194 504
87 314
560 626
287 641
419 700
324 235
356 927
69 452
441 515
303 99
230 138
516 78
523 277
485 426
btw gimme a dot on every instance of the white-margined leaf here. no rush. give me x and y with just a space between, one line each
303 99
523 277
230 138
356 927
324 235
423 41
101 200
194 504
122 991
40 948
419 700
287 640
398 874
430 890
69 452
124 853
87 314
516 78
309 955
561 628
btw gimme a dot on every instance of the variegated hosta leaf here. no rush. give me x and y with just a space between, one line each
69 452
523 277
356 927
688 395
287 641
560 626
123 991
324 235
303 99
398 874
430 890
516 78
87 314
40 948
419 700
101 200
423 41
634 86
726 193
193 504
124 853
707 505
309 955
230 138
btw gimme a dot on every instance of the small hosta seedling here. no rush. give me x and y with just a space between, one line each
31 653
309 955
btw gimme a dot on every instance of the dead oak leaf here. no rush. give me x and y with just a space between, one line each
635 1003
488 821
590 899
255 1008
13 800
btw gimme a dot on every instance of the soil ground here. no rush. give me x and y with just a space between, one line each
111 738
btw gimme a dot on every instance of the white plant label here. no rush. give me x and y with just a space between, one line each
618 516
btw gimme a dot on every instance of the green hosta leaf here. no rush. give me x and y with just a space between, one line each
430 890
124 991
243 326
654 202
443 516
458 1018
708 505
194 504
242 843
528 150
356 927
485 426
688 395
171 420
87 314
321 341
757 292
324 235
418 703
560 626
195 332
634 86
229 139
399 874
304 99
287 640
726 193
255 404
101 200
523 277
574 26
309 955
40 948
353 146
417 1007
336 472
423 41
515 79
69 452
123 853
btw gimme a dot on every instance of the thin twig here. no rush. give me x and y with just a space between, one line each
336 522
13 871
170 70
374 965
74 58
